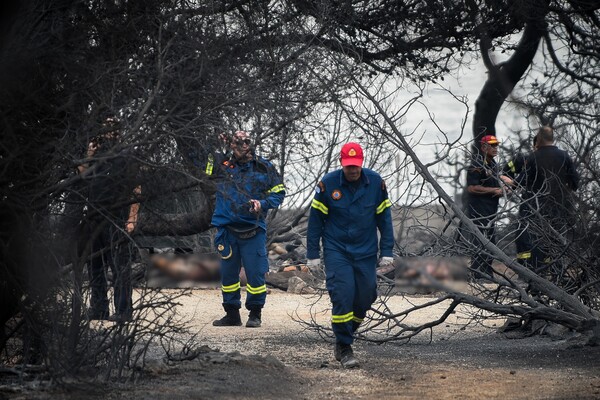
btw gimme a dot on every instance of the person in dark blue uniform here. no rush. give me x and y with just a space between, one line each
517 165
349 207
247 188
484 190
523 243
550 179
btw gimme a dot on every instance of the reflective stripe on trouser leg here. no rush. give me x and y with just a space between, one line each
253 252
340 285
228 248
527 253
365 288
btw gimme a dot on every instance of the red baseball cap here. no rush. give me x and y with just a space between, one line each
352 154
489 139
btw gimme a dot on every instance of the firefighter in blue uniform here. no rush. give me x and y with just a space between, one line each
350 205
549 179
523 243
484 188
247 188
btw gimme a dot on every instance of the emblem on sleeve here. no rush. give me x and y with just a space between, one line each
336 194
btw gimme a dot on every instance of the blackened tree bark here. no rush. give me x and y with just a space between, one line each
178 73
502 80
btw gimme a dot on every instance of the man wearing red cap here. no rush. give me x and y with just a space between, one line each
484 191
350 205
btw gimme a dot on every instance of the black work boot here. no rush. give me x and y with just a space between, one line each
231 319
346 356
337 352
254 319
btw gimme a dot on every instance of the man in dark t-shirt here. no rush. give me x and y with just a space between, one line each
111 215
483 193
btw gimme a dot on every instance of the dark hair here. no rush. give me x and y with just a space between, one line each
546 134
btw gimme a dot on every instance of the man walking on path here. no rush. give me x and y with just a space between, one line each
350 205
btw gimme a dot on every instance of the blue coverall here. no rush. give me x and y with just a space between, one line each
346 216
549 178
237 184
523 240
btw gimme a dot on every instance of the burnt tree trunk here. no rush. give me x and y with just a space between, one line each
176 224
501 81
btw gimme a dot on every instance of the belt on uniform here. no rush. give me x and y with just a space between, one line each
243 232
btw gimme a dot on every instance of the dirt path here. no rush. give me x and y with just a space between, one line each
291 363
474 363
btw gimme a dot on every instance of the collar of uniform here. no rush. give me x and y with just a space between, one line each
244 164
489 163
363 178
547 147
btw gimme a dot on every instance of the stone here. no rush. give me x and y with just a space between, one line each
298 286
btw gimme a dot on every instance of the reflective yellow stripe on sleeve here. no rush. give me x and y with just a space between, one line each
320 206
384 204
276 189
210 164
511 165
231 288
524 255
256 290
358 320
341 319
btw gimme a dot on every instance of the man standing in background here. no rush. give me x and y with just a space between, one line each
112 213
484 191
550 179
512 169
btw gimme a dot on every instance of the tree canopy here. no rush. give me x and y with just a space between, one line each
177 74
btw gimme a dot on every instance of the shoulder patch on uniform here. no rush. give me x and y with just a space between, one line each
320 188
229 164
336 194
